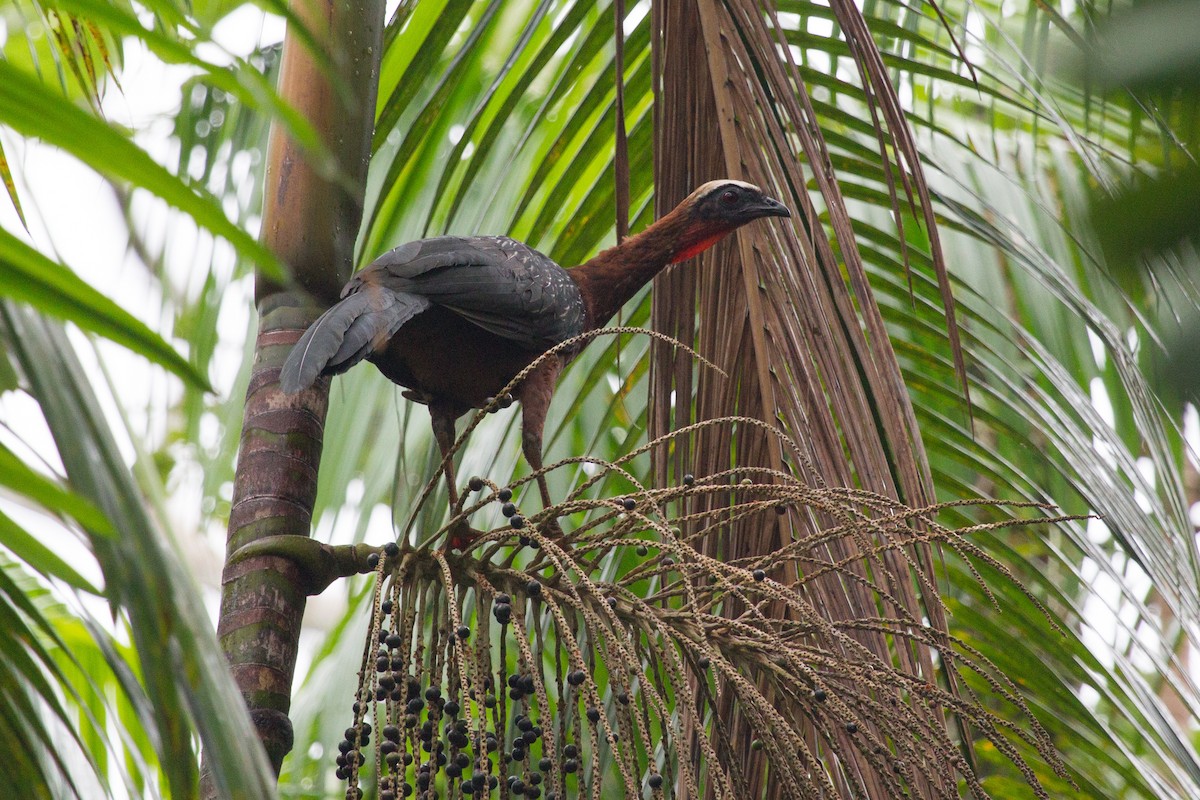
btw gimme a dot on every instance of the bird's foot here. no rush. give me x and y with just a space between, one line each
551 529
461 536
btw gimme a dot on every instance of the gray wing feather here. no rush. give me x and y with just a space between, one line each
346 334
499 284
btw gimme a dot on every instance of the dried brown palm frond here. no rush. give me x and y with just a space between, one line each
533 666
789 315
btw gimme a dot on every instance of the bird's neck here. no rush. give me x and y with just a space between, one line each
614 276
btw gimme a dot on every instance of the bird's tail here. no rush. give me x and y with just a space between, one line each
346 334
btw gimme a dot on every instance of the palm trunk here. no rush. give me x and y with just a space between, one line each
311 221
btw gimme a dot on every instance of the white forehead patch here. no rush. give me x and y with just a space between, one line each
712 186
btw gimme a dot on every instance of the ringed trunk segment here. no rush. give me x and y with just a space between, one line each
312 212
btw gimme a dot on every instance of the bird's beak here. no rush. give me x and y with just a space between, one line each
769 207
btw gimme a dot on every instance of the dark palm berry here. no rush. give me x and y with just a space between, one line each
503 600
479 780
387 794
545 764
570 765
508 509
514 680
668 562
463 631
341 774
593 715
393 761
527 684
532 792
475 483
422 780
655 781
458 739
381 694
387 681
391 549
759 575
688 479
534 779
493 782
533 589
756 745
781 509
410 720
503 614
340 760
851 727
394 641
703 662
819 695
571 751
511 780
461 726
373 560
517 521
433 693
629 503
450 709
384 633
383 663
408 759
388 747
489 701
642 550
612 602
391 733
504 494
406 789
518 786
524 724
344 746
441 758
453 771
462 760
518 754
577 677
492 745
356 707
551 795
538 730
515 695
415 705
530 737
386 606
525 541
623 698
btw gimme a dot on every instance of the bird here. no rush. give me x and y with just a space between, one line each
453 319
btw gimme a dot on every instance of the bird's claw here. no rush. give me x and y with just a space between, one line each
462 536
551 529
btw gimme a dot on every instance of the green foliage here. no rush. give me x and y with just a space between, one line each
499 118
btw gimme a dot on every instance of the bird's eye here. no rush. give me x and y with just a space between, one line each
729 197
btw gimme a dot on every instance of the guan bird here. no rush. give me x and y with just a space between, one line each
454 319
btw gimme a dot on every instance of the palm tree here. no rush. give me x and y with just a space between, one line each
508 124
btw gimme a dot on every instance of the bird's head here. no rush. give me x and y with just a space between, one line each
718 208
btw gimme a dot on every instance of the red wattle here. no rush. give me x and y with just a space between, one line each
698 247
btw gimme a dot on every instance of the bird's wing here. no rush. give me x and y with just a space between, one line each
495 282
346 334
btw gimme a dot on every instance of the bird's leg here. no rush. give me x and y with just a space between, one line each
443 433
535 392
